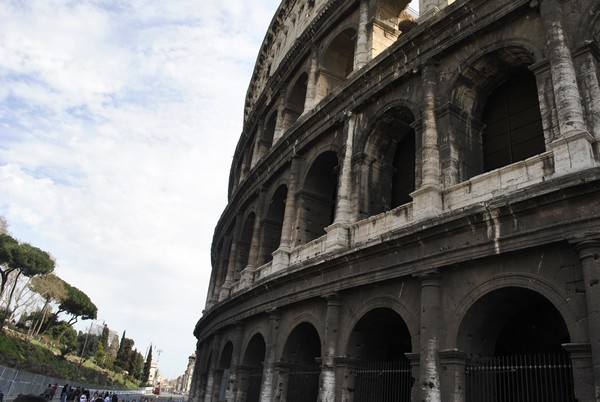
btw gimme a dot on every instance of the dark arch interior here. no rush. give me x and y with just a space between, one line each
255 352
300 353
390 158
512 321
318 197
295 104
225 361
273 223
513 123
303 346
382 372
380 335
244 243
339 59
251 370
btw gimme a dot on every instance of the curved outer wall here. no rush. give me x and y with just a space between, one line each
411 190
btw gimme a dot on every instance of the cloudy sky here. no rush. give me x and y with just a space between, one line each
118 122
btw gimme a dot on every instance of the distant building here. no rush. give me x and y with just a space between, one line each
186 379
414 208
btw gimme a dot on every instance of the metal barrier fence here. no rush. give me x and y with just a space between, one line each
527 378
303 383
382 381
14 382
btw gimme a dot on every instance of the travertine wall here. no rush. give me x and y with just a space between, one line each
317 178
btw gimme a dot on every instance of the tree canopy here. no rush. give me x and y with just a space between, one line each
78 305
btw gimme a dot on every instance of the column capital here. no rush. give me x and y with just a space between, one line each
430 278
333 299
274 314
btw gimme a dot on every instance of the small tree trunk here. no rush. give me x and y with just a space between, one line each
12 290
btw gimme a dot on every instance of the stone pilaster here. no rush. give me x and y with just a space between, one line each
431 317
415 359
453 363
573 150
311 84
327 380
226 286
361 53
266 389
279 123
589 255
583 373
211 377
233 385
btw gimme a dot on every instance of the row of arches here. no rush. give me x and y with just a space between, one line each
386 170
331 61
503 323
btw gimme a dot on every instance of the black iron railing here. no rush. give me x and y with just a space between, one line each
382 381
525 378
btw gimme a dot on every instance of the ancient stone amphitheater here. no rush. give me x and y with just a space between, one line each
414 208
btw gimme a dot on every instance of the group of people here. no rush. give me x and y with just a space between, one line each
78 394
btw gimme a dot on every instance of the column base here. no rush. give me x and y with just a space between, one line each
281 259
427 202
583 370
573 153
337 236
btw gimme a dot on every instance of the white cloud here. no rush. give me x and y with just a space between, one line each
118 121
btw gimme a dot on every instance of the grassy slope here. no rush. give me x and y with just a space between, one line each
36 358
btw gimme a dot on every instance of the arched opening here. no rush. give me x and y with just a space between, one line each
378 344
403 171
514 337
479 87
318 197
266 140
295 102
223 371
513 124
299 363
252 368
338 62
244 244
273 224
388 163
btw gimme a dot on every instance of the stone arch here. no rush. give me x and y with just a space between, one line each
295 101
250 371
244 243
225 355
268 133
523 330
386 302
390 12
500 94
223 370
272 225
576 329
481 73
300 370
387 161
379 335
317 197
337 60
378 341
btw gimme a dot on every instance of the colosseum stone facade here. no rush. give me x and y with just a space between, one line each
414 208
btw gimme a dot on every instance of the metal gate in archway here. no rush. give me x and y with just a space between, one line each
523 378
254 384
382 381
303 383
